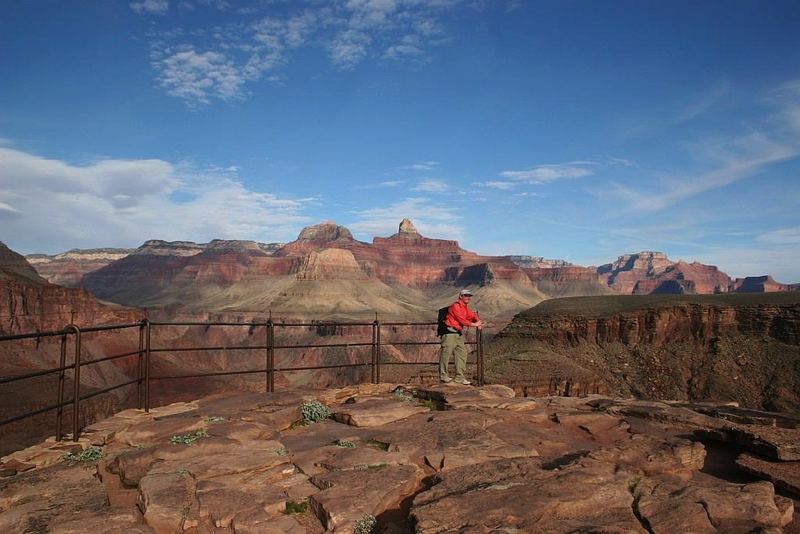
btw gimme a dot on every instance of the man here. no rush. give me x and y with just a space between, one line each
459 316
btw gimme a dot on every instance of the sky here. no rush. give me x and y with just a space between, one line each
569 129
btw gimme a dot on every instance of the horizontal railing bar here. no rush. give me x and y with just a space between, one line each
361 344
114 357
312 325
409 324
402 343
200 375
35 412
106 390
8 380
199 323
321 367
187 349
51 333
419 363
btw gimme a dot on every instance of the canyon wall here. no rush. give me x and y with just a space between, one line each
744 348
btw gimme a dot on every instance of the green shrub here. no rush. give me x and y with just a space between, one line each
293 507
315 411
366 524
282 451
344 444
92 454
403 395
188 439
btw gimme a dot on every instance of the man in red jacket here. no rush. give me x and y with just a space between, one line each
459 316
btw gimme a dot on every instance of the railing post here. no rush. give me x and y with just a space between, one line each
374 348
140 367
61 378
76 399
377 351
147 328
480 357
270 356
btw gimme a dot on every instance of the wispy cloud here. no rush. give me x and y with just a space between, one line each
203 63
544 174
497 184
782 236
421 166
431 219
150 7
774 140
51 204
703 103
431 186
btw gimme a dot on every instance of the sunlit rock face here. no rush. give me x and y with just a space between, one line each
652 272
443 458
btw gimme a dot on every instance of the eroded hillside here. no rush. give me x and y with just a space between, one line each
744 348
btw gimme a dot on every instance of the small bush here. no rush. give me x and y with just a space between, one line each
214 419
282 451
315 411
403 395
92 454
366 524
188 439
293 507
344 444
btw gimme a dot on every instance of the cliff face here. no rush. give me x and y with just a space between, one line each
652 272
14 267
68 268
564 281
252 276
729 347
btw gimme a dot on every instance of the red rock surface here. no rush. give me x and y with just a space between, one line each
231 274
480 463
652 272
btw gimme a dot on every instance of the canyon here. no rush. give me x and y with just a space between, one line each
328 273
736 347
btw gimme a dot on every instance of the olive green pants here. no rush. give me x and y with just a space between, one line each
453 344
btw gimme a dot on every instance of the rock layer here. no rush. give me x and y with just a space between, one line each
481 460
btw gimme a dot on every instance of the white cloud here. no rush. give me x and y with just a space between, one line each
544 174
430 218
196 76
349 48
215 62
150 7
431 186
502 185
421 166
50 205
391 183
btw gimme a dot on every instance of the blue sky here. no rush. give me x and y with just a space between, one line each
567 129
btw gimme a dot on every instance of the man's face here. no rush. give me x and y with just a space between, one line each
466 298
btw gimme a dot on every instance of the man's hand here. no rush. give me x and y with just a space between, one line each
478 325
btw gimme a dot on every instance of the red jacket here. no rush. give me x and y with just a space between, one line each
459 315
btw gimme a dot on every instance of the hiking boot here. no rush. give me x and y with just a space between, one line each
445 379
463 381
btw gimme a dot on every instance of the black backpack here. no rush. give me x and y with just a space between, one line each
441 328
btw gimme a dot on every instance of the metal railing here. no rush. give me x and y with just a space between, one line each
145 352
